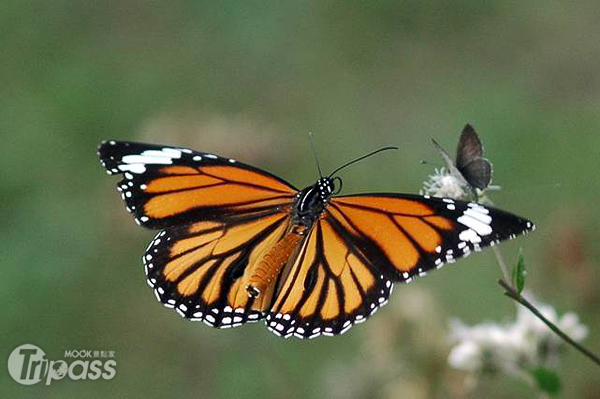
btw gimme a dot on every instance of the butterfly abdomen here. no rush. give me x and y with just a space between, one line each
271 263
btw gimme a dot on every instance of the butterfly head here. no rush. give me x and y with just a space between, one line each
311 201
325 187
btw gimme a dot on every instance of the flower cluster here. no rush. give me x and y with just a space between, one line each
512 348
445 184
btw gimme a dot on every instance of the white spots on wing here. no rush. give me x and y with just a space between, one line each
136 163
134 168
479 227
211 156
197 158
181 310
146 159
481 216
478 207
469 235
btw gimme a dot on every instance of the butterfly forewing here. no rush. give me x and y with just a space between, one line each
469 147
408 235
475 169
168 186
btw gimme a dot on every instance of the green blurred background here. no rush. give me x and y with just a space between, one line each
249 80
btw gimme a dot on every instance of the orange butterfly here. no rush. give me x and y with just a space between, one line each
239 244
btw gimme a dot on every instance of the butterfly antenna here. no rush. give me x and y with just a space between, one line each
312 145
426 162
363 157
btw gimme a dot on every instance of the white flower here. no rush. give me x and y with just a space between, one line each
444 184
570 325
514 347
483 347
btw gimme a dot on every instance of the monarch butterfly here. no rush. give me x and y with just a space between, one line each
238 244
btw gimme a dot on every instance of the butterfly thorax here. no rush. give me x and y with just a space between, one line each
308 206
311 201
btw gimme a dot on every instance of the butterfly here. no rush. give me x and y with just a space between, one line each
471 168
238 244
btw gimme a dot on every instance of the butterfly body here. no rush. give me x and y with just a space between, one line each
311 201
271 263
238 244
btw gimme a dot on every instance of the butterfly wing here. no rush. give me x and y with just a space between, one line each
219 216
449 164
478 173
199 269
168 186
475 169
469 147
362 243
329 286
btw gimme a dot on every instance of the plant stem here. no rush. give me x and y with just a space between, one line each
512 293
502 264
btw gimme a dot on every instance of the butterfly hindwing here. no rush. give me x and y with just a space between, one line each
169 186
330 286
200 269
478 173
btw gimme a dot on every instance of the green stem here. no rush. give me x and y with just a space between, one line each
512 293
502 264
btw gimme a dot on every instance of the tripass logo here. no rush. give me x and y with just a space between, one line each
27 365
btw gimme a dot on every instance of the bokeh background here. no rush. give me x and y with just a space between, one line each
249 80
